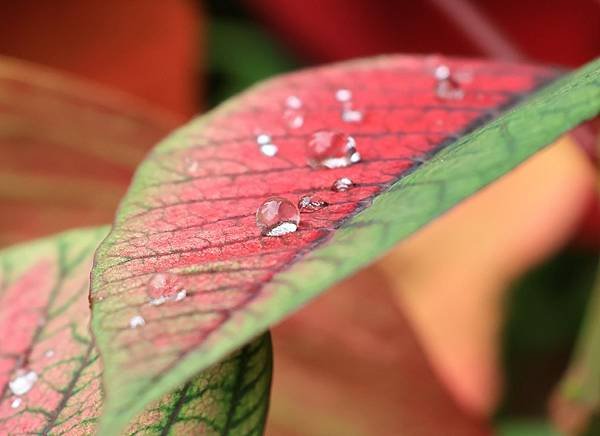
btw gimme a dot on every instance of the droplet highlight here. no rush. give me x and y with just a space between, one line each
309 204
343 95
49 354
331 149
293 118
293 102
23 382
16 403
350 115
342 184
137 321
277 217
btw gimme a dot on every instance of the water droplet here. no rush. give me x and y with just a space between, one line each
49 354
293 102
350 115
266 146
342 184
447 88
137 321
343 95
16 403
293 118
332 149
164 287
277 216
310 204
191 165
23 382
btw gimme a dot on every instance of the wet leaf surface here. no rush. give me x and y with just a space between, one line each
50 372
190 212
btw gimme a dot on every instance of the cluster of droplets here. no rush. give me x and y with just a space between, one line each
293 113
278 216
266 145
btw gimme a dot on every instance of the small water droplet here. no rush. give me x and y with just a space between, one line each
447 88
293 102
49 354
23 382
266 145
180 295
191 166
343 95
342 184
350 115
16 403
311 204
137 321
293 118
332 149
269 150
277 217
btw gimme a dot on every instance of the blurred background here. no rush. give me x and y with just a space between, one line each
86 88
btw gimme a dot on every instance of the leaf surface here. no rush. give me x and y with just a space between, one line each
44 325
68 149
190 211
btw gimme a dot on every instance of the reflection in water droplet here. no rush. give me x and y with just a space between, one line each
293 102
342 184
331 149
180 295
164 287
23 382
310 204
16 403
442 72
49 354
263 139
277 216
137 321
343 95
191 166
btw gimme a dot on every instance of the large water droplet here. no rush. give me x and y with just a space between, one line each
332 149
447 86
311 204
266 146
137 321
164 287
277 216
16 403
23 382
342 184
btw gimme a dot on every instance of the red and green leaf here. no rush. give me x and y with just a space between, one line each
44 325
190 211
68 149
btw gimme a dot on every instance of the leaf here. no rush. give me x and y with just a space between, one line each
68 149
44 319
199 225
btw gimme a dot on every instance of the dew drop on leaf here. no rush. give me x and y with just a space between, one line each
343 95
342 184
331 149
277 217
350 115
164 287
16 403
293 118
293 102
266 145
447 88
137 321
49 354
310 204
23 382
